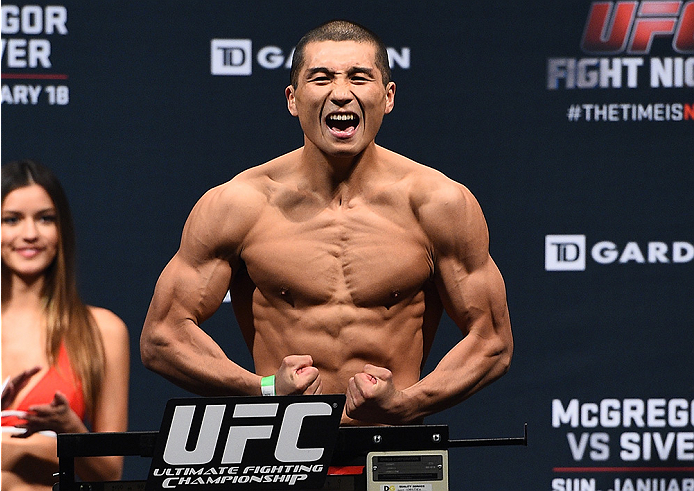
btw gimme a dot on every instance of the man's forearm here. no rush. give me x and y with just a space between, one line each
459 375
196 364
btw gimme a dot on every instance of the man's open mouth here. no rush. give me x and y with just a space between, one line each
342 124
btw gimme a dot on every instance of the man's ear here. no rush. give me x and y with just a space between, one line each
390 97
291 100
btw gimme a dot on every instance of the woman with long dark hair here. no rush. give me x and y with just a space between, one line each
65 365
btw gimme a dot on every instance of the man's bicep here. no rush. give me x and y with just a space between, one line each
474 298
190 290
197 278
469 282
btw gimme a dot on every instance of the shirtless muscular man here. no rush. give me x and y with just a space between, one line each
340 256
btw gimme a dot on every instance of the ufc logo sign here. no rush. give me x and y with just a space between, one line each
237 436
254 443
631 27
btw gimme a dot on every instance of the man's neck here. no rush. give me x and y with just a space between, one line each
331 174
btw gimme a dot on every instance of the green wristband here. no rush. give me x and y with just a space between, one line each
267 385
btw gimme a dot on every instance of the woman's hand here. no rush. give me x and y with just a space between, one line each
55 416
15 384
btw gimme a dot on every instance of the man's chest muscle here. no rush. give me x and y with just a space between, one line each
338 256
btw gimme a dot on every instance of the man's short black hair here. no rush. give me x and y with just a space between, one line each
340 30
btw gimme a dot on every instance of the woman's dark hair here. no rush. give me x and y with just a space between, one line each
22 173
67 318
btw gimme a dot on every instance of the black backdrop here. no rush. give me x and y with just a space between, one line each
567 170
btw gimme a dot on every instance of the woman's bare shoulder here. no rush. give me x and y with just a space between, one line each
112 327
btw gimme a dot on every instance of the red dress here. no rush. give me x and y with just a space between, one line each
58 378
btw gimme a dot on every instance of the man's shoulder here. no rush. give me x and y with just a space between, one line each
236 204
438 201
247 186
257 180
427 184
415 169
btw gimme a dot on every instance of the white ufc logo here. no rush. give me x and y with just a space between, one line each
286 450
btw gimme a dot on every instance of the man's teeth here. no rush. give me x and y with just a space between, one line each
342 117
